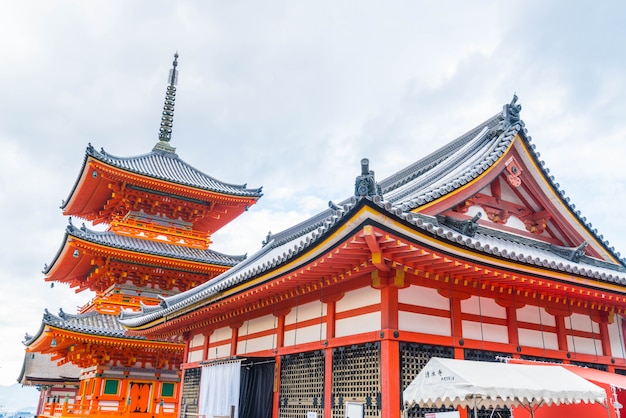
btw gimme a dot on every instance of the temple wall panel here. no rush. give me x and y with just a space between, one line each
581 322
538 339
483 306
423 296
197 341
582 345
535 315
427 324
219 351
305 312
358 324
252 345
195 355
616 337
358 298
221 334
255 325
307 334
219 343
485 332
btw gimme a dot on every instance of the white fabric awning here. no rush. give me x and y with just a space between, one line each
468 383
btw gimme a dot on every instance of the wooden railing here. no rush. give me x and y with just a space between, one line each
66 409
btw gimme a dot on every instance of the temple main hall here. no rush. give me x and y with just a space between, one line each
472 253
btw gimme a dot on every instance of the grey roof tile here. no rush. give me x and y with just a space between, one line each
113 240
169 167
440 173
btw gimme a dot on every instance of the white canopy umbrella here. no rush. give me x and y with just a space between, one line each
475 384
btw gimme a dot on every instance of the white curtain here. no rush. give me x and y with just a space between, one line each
219 389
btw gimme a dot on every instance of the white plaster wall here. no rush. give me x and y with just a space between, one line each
194 356
304 312
357 324
423 296
256 344
487 332
533 338
414 322
221 334
197 341
535 315
483 306
616 337
584 345
365 296
263 323
581 323
304 335
219 351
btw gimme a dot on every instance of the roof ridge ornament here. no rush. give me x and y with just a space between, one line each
570 253
512 111
509 117
467 227
365 184
167 118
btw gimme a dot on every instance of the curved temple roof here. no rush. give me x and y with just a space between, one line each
113 240
441 173
91 323
168 167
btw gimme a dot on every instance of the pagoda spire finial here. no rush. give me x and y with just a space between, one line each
167 119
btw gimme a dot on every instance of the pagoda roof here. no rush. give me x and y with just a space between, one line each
167 166
142 246
80 338
164 167
411 207
90 323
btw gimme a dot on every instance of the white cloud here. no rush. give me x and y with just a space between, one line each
290 96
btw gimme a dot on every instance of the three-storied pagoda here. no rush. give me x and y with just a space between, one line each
473 252
159 214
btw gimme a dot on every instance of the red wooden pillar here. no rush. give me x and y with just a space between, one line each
561 332
276 398
331 317
234 338
205 346
511 306
389 283
187 339
456 319
603 323
280 342
559 313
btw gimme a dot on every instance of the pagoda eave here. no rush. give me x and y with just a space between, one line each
86 350
100 185
81 264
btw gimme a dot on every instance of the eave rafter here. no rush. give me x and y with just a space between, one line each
97 267
373 249
85 350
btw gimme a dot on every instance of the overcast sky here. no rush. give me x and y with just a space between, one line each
290 96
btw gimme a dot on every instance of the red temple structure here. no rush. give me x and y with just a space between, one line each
473 252
159 214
